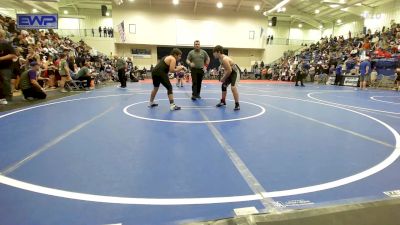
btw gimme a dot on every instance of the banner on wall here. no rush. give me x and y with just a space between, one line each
121 30
351 81
37 21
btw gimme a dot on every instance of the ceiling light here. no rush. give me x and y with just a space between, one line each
265 13
107 14
358 4
334 5
300 25
339 21
342 1
270 24
320 26
66 12
283 9
175 2
279 5
345 9
34 10
316 11
220 5
257 7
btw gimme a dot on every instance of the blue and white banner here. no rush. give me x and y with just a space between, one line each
351 81
37 21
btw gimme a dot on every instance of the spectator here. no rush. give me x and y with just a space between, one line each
270 72
300 74
84 74
50 69
257 73
29 84
264 73
7 54
17 65
311 72
72 66
398 78
338 73
129 64
366 45
365 70
64 72
121 67
100 31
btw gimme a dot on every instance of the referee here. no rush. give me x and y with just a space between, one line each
197 59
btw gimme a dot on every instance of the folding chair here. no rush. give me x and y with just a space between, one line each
74 85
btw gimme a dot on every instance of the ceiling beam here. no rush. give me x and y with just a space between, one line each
238 5
51 6
326 12
36 6
267 3
18 6
195 6
150 3
307 20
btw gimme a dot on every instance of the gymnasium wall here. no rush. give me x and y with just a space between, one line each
389 11
8 12
93 19
355 27
274 52
180 26
102 45
176 26
88 19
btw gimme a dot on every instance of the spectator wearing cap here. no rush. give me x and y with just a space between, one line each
29 83
7 54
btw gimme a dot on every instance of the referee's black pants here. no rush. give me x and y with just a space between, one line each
122 77
197 79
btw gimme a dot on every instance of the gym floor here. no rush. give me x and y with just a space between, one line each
104 157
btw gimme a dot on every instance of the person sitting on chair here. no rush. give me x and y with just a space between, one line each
84 74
